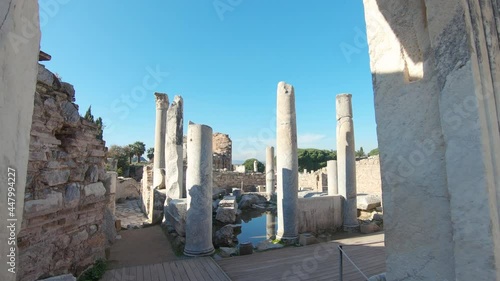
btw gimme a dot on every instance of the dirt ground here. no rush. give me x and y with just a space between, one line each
139 247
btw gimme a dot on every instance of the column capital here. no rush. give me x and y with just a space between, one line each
161 101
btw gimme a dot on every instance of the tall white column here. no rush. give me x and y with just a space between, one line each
331 170
159 153
346 160
174 171
287 164
270 170
199 191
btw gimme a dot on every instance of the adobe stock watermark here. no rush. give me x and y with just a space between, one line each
302 270
223 6
29 26
123 105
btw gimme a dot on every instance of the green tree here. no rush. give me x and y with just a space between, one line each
100 127
137 149
150 153
130 152
249 165
360 153
121 154
88 115
313 159
373 152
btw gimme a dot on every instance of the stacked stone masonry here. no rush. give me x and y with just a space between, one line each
66 199
368 180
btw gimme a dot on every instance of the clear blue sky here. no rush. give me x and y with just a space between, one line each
226 63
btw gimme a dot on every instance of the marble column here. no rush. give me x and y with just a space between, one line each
174 150
287 164
199 191
346 160
159 153
331 170
270 226
255 166
270 170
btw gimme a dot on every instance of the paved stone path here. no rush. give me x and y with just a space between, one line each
130 214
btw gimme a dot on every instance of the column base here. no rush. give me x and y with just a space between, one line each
194 253
352 228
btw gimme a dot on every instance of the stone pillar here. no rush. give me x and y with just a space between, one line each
255 166
173 150
199 191
270 226
287 164
333 187
436 83
159 154
270 170
19 52
346 160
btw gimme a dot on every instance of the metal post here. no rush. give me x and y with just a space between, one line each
341 273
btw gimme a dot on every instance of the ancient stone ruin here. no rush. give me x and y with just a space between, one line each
69 198
435 77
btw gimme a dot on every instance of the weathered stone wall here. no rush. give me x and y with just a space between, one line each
127 188
320 214
368 176
229 179
314 180
65 198
436 83
223 151
19 49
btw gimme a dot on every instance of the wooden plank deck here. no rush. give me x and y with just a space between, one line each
314 262
193 269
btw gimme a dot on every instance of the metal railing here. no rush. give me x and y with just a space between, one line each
341 264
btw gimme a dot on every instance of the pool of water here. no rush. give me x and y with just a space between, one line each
256 227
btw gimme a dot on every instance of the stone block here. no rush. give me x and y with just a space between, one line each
246 248
228 201
96 189
79 237
227 252
55 177
72 195
226 214
70 113
247 200
92 174
176 215
307 239
51 203
368 202
68 89
225 237
45 76
369 228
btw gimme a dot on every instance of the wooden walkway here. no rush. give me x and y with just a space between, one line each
314 262
192 269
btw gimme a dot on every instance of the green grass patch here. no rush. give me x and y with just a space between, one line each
95 272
